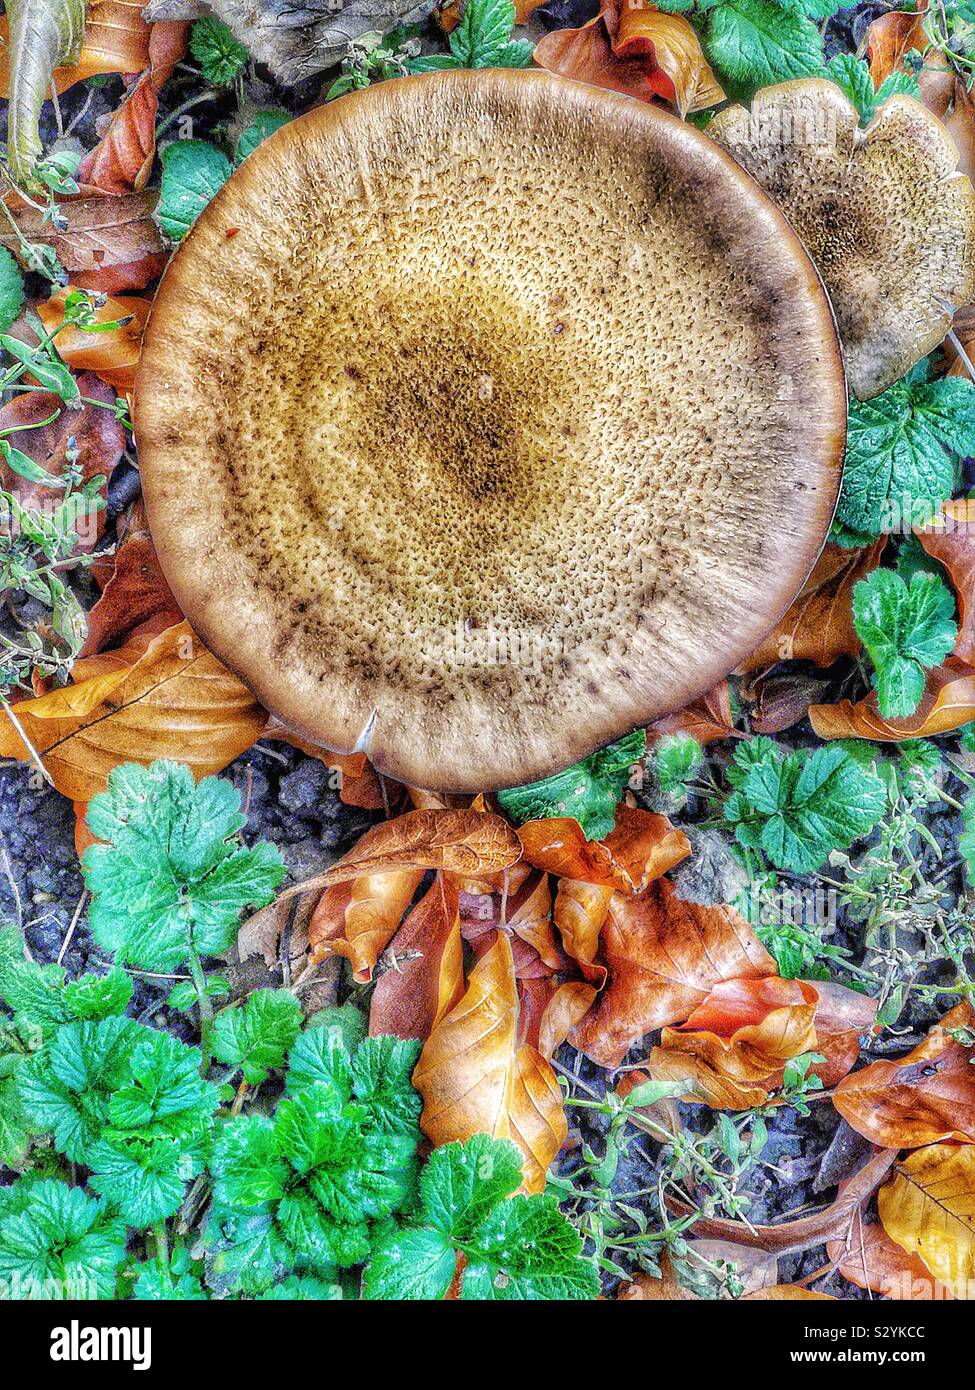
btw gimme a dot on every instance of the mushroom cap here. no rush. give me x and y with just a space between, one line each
484 417
888 221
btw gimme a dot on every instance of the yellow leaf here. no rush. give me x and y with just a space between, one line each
175 701
929 1209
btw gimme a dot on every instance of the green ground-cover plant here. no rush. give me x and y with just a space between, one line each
589 791
277 1160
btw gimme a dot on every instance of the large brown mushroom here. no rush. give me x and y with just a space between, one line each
888 221
484 417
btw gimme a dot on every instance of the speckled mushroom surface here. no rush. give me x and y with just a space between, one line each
888 221
484 417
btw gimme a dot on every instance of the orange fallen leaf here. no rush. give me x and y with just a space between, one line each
640 848
948 703
114 355
116 40
122 159
174 701
803 1232
841 1016
923 1098
580 913
569 1004
637 50
951 541
707 719
134 591
734 1045
475 1079
455 841
819 625
106 244
891 37
427 979
664 957
372 915
869 1258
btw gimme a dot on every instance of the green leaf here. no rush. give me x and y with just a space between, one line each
245 1251
902 449
852 75
381 1071
216 50
192 173
158 1128
525 1249
43 35
411 1265
11 289
299 1289
169 878
757 43
56 1242
801 807
906 629
98 996
966 840
66 1089
675 759
174 1281
462 1182
47 371
515 1247
257 1036
338 1155
33 992
483 32
258 128
589 791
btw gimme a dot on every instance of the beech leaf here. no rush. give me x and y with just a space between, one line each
475 1078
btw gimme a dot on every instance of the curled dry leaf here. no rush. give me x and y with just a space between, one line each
475 1078
122 159
664 957
928 1207
707 719
107 244
114 355
116 39
580 912
174 701
40 37
636 50
524 915
370 917
807 1231
96 434
734 1045
462 842
548 1011
640 848
951 541
819 625
426 979
948 702
923 1098
841 1016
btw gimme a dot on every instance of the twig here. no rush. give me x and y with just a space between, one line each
71 927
